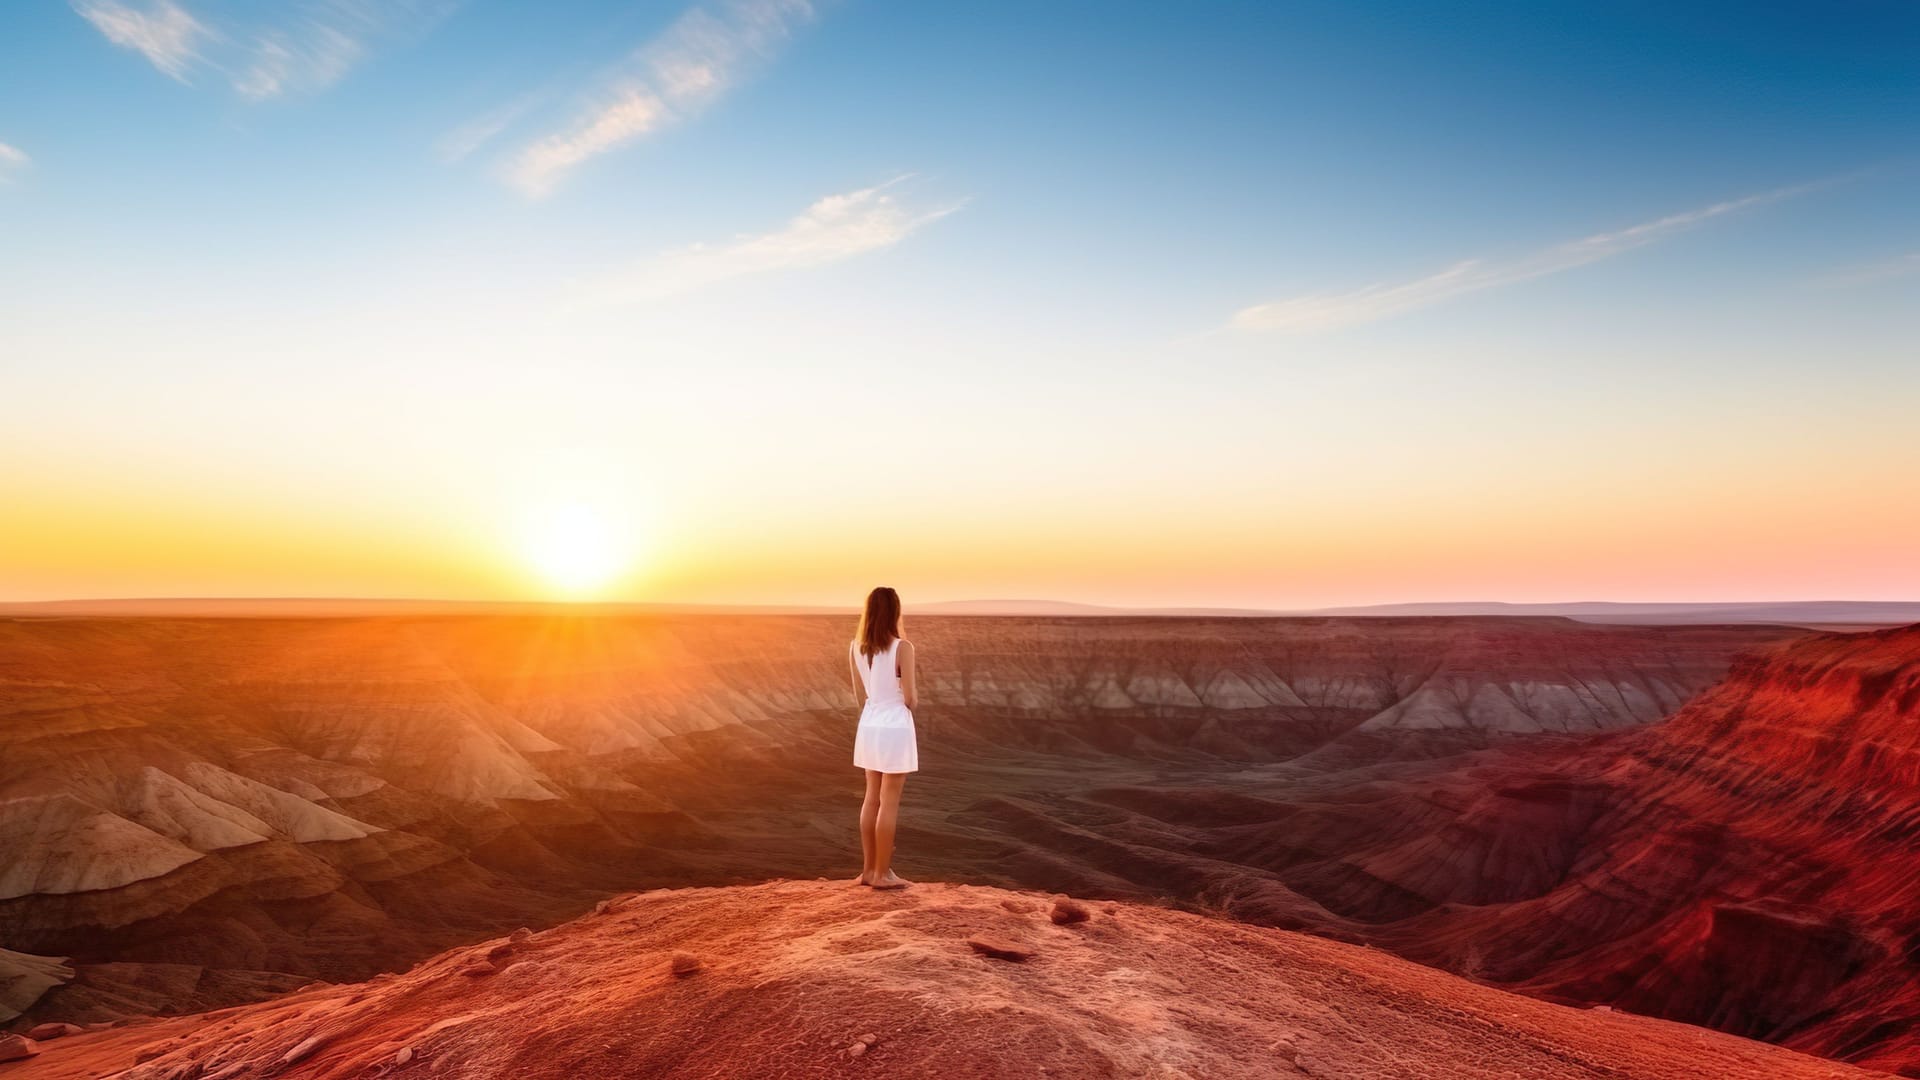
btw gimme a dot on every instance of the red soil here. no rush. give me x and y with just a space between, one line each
822 978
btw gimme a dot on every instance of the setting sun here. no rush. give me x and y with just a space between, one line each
575 548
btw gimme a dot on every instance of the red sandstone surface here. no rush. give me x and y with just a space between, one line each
824 979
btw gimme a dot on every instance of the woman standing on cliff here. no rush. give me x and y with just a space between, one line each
887 690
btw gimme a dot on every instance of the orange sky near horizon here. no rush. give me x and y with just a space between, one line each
1562 525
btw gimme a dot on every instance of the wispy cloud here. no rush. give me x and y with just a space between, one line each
635 112
832 229
463 141
1329 311
312 58
705 52
1872 273
163 32
12 160
305 46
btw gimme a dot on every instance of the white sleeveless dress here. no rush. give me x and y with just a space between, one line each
884 741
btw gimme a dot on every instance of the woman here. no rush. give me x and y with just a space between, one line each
885 686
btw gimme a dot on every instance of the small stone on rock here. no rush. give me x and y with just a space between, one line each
304 1049
405 1055
684 964
999 949
869 1039
16 1048
44 1032
479 968
1067 911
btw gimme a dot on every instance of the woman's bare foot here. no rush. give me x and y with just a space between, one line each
890 880
863 879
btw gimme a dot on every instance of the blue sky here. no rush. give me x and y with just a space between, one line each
1353 271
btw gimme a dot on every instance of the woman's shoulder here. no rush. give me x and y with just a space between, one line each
904 645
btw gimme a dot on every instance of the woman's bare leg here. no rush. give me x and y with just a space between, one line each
869 811
883 830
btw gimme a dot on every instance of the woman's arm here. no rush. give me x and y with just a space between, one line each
909 680
859 687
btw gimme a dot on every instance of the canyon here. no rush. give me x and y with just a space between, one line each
1707 824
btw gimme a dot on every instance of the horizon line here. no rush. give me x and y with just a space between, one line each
239 606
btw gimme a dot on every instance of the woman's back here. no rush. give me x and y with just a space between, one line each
880 673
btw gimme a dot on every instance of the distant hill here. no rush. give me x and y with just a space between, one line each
1811 613
1013 607
1817 613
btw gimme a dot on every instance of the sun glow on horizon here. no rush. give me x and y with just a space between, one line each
576 548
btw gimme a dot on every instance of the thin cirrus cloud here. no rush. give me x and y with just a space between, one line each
12 160
834 228
163 32
313 59
708 50
1317 312
308 47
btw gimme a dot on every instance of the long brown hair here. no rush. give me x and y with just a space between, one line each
879 623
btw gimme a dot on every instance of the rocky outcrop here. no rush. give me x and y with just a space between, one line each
24 979
818 978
